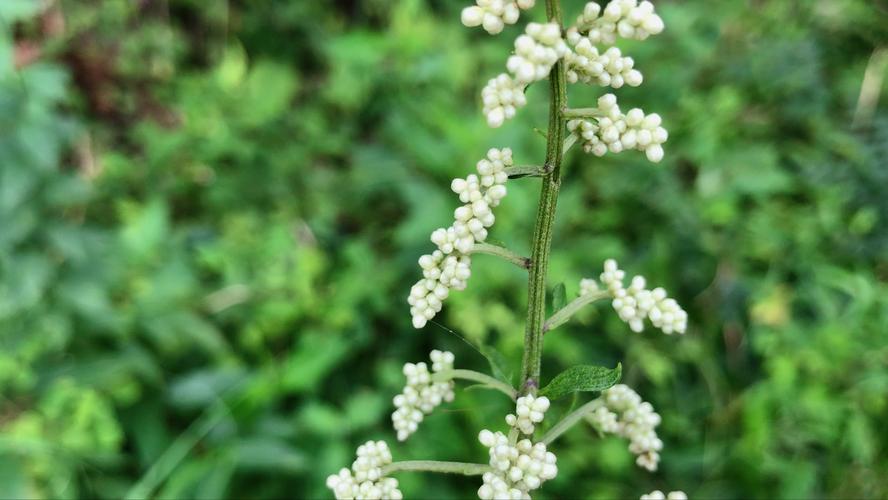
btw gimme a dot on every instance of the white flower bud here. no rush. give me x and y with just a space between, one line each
472 16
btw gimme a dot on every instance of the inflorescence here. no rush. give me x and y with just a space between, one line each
517 464
365 479
518 467
588 51
536 51
421 395
449 267
636 303
627 18
626 415
616 132
529 410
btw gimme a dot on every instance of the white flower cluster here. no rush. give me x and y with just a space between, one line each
536 51
636 303
421 395
658 495
626 415
517 469
450 265
501 98
493 15
365 479
615 132
629 19
609 68
529 410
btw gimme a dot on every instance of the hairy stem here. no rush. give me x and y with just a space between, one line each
504 253
466 469
571 420
565 313
542 233
476 377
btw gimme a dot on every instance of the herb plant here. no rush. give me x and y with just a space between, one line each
519 459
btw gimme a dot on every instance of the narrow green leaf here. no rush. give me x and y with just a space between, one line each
582 378
559 297
497 363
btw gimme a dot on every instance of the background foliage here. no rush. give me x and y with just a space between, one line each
210 214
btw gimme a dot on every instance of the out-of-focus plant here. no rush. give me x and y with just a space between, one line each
519 462
250 246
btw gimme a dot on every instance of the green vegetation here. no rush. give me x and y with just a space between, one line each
210 214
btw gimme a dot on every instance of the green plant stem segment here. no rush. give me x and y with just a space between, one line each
463 468
479 377
566 312
504 253
570 420
581 113
542 233
519 171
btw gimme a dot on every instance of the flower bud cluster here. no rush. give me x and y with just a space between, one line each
658 495
449 267
421 395
522 466
630 19
365 478
501 98
615 132
517 468
494 15
636 303
609 68
536 51
529 410
626 415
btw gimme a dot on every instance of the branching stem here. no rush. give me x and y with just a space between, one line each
542 233
479 377
566 312
463 468
504 253
571 419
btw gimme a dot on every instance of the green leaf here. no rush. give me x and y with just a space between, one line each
497 363
582 378
559 297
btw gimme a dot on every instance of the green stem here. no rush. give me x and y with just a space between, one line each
504 253
519 171
466 469
565 313
476 377
581 113
571 420
542 233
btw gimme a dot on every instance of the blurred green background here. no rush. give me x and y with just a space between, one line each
211 211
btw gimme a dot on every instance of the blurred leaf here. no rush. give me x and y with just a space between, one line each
497 363
559 297
268 454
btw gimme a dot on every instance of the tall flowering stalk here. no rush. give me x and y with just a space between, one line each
519 460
